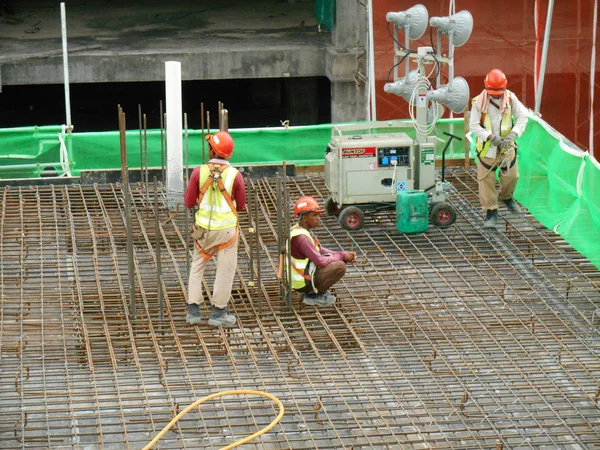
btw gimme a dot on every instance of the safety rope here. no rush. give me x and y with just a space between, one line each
222 394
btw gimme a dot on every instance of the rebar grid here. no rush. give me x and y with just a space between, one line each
456 338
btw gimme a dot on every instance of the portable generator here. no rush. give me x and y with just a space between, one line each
368 164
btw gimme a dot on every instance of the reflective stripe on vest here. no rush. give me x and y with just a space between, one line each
506 125
214 213
299 265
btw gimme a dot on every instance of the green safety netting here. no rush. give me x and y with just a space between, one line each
560 185
303 145
558 180
26 151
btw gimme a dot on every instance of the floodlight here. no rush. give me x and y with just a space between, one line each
413 20
458 26
455 95
403 87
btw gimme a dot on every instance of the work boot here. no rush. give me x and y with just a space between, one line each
193 314
491 219
219 317
512 205
323 299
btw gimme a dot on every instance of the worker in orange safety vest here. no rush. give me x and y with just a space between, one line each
219 191
314 269
497 119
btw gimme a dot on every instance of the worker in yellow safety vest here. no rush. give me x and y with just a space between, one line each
219 191
497 118
314 269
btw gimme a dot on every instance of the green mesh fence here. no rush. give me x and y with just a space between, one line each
560 185
26 152
558 181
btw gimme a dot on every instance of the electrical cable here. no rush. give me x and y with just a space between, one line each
431 39
396 41
222 394
387 79
422 83
393 188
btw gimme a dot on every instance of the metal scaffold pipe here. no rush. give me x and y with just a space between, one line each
63 21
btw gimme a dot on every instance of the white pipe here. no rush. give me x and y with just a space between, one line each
63 21
538 97
536 14
373 112
592 80
174 130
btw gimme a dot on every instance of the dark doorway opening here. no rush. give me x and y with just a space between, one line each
250 103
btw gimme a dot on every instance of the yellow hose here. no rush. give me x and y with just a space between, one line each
222 394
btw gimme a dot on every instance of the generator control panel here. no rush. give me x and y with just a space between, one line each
386 156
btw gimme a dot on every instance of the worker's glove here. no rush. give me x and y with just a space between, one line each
509 140
495 139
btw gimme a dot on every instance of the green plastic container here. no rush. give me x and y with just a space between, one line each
412 214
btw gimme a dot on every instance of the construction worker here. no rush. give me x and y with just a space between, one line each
497 119
314 268
219 191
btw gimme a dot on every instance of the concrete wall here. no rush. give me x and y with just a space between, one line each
281 40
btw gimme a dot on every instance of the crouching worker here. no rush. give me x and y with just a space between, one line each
314 268
219 190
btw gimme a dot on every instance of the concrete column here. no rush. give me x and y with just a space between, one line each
347 102
346 62
174 167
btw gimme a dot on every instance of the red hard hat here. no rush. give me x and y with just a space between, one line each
222 143
495 82
307 204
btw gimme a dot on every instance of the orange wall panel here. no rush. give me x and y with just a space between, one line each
504 37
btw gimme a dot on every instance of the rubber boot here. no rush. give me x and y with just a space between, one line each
512 205
221 318
324 299
193 314
491 219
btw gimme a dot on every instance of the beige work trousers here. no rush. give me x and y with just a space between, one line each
488 194
226 263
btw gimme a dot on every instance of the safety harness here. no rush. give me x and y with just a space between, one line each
493 168
215 180
481 123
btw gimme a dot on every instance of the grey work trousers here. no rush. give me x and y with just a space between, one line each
226 264
488 194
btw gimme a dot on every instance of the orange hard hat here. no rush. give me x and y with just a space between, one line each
222 143
495 82
307 204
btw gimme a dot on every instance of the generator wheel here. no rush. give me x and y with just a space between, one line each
442 215
331 207
352 218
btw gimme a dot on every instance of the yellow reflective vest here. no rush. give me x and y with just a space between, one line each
299 279
214 212
506 125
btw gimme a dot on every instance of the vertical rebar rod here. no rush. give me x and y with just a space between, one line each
280 243
225 119
127 198
258 247
164 155
141 143
157 246
202 127
185 185
252 232
286 216
219 109
145 179
162 142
